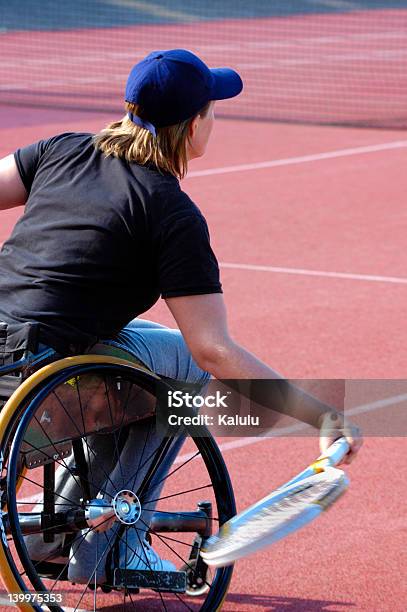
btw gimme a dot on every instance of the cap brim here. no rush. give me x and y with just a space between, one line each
227 83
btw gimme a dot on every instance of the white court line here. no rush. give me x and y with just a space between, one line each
297 427
341 4
383 403
399 280
289 161
155 10
324 60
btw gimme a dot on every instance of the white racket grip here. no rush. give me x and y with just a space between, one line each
335 453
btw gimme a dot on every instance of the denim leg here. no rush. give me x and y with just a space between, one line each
161 349
165 352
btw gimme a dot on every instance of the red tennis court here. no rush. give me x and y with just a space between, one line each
308 225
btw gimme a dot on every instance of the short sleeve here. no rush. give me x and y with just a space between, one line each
186 263
28 160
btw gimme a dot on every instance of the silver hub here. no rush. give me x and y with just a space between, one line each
127 507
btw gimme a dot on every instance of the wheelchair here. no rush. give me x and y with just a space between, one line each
56 414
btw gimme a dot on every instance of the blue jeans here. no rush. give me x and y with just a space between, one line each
161 349
164 351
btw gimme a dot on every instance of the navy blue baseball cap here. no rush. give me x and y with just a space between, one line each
172 86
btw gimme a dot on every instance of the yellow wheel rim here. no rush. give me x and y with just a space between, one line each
10 409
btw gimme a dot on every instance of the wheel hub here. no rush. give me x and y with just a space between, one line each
127 507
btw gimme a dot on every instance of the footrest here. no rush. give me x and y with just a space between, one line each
173 582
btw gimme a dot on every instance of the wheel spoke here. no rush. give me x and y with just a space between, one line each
173 472
72 503
72 553
131 599
151 569
82 538
62 465
40 503
96 567
95 582
105 473
151 501
85 437
173 551
125 563
178 541
149 458
142 453
183 602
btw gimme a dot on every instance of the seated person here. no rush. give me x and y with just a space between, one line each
107 230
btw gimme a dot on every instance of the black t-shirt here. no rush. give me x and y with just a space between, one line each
99 241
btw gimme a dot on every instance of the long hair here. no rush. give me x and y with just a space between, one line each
167 150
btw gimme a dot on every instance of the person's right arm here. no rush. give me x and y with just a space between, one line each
12 190
202 320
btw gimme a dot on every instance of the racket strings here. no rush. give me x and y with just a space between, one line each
270 518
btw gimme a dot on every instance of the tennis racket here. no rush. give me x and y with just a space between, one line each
288 508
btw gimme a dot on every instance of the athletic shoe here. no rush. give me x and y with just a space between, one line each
144 557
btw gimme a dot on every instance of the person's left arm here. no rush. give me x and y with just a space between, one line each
12 190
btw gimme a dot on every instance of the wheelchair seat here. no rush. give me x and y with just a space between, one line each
20 355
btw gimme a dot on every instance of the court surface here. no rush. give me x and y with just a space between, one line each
308 224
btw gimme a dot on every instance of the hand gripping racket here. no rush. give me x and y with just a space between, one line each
291 506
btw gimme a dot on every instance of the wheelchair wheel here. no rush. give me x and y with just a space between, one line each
87 481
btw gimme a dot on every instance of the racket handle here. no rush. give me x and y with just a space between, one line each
335 453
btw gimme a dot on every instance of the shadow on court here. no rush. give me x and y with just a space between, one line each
274 603
238 602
